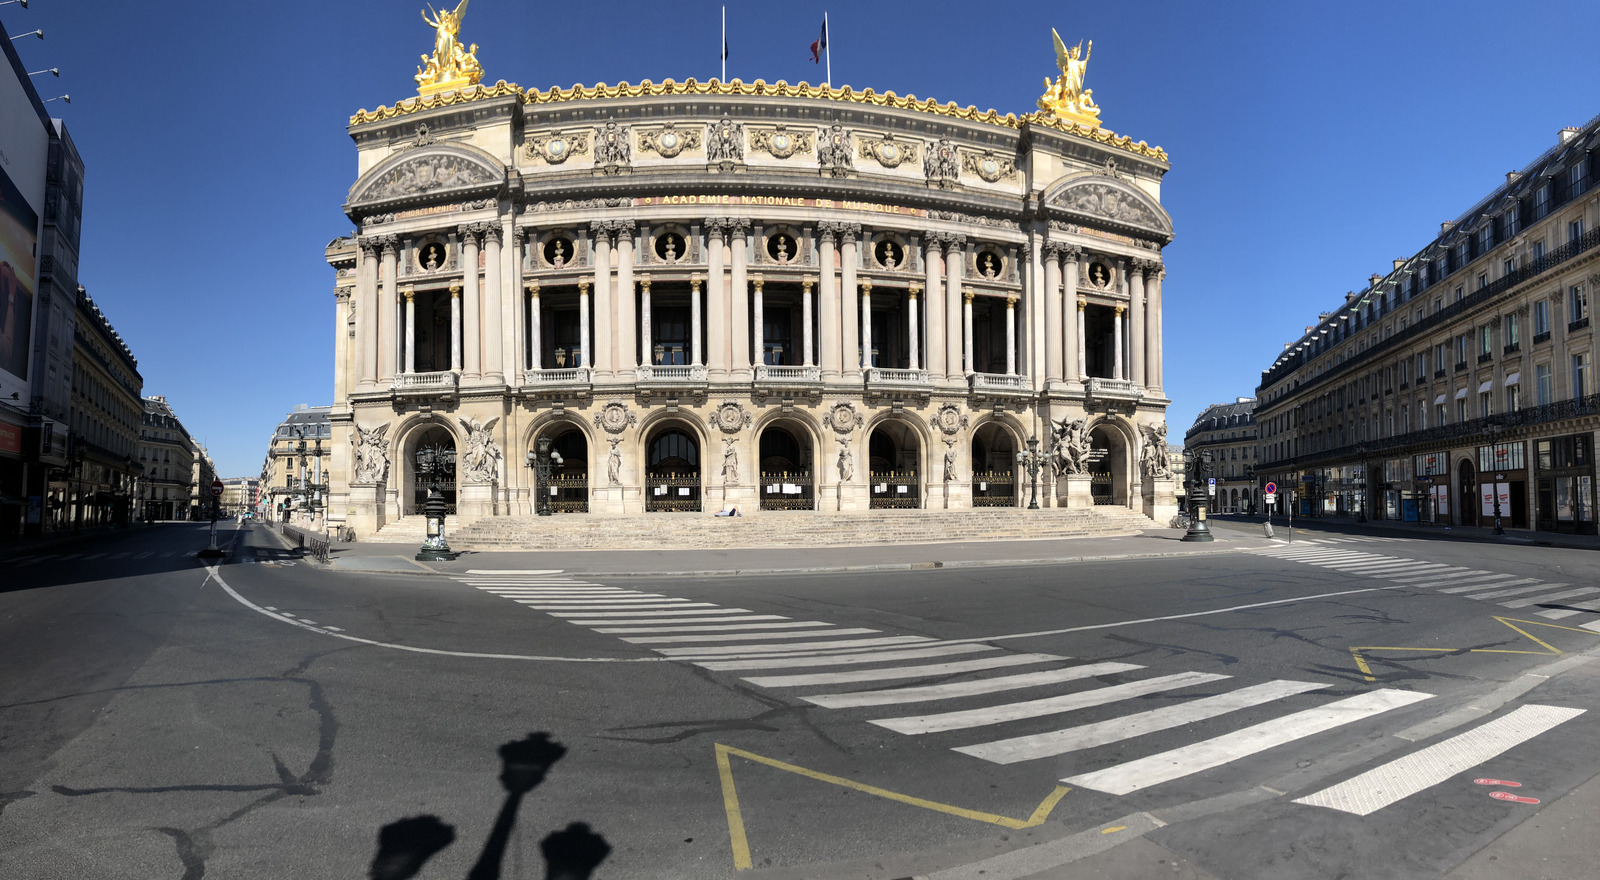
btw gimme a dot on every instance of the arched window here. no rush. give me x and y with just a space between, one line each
674 449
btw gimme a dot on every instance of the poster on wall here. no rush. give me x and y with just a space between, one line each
19 225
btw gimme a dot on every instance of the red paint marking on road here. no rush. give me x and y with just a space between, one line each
1514 798
1505 782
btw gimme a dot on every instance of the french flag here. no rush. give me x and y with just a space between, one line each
821 44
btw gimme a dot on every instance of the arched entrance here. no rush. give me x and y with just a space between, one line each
568 488
787 467
1468 493
672 470
1108 466
895 455
994 466
431 464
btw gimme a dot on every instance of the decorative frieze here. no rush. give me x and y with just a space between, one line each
557 146
667 141
779 142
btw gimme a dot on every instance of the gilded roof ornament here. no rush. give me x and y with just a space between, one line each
451 66
1066 97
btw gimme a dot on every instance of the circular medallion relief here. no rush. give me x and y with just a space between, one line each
669 140
989 167
889 154
615 417
730 417
949 419
780 143
556 147
843 418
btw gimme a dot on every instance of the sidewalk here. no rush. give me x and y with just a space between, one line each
1421 530
1152 544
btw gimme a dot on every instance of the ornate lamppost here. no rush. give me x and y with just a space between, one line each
1029 461
544 462
435 548
1198 471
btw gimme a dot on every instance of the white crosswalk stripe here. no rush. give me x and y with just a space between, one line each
1506 590
981 700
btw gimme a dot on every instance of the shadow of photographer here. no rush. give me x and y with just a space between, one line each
569 854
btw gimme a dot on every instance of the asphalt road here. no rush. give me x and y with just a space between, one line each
1131 718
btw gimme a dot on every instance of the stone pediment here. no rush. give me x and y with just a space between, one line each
1097 200
442 171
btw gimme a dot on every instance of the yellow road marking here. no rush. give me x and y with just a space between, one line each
1113 829
741 844
1549 650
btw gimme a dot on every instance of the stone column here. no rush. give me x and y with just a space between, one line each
410 364
958 346
849 312
1054 329
584 357
604 346
758 327
968 363
1083 353
866 324
367 310
739 242
912 319
1069 329
535 329
716 305
1116 348
828 307
516 309
388 311
645 354
626 323
455 326
1136 320
806 330
1153 330
934 303
471 329
694 319
493 306
1011 336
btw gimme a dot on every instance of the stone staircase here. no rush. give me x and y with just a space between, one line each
669 531
411 530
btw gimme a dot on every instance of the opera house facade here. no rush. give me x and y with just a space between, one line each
765 296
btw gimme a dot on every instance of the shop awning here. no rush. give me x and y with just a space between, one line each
1460 393
1486 386
1438 400
1513 379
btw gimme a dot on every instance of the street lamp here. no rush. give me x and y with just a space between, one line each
544 463
1030 463
1494 450
435 548
1199 531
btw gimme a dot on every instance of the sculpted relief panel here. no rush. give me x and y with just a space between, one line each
1102 197
424 173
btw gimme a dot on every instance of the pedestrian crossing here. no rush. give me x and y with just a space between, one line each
1349 539
23 561
973 697
1546 599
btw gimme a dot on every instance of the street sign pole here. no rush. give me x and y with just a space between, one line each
212 551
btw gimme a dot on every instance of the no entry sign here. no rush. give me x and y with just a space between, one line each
216 488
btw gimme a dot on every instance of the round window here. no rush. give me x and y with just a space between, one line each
558 251
781 247
890 254
670 247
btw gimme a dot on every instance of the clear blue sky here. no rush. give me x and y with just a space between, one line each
1311 144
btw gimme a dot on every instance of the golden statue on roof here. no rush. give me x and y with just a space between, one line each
451 66
1066 98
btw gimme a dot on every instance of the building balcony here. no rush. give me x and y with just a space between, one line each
672 377
442 384
1000 385
878 376
1113 389
785 375
569 379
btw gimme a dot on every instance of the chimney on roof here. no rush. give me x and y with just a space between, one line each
1446 226
1399 263
1568 134
1374 278
1511 176
1348 296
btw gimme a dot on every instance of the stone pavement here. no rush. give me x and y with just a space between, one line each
1152 543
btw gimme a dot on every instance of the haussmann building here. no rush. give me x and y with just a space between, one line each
776 297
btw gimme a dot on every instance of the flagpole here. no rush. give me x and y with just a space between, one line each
724 44
827 49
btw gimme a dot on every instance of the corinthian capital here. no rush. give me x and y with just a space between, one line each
600 230
849 232
737 225
490 232
467 233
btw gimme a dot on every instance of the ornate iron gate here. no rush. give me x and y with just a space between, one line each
896 489
784 490
672 493
994 489
569 494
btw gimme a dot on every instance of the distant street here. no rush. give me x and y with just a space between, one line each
1305 710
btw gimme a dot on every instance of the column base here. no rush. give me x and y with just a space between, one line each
1160 502
1073 489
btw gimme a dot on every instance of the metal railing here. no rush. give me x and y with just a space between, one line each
994 489
896 490
569 493
786 490
672 493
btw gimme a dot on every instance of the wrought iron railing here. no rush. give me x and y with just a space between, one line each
994 489
896 490
1101 488
787 490
1480 429
672 493
569 493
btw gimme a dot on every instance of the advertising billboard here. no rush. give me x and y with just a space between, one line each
24 148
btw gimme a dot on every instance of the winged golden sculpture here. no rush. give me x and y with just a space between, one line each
1066 98
451 66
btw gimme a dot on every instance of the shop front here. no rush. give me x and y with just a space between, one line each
1502 479
1432 487
1565 481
